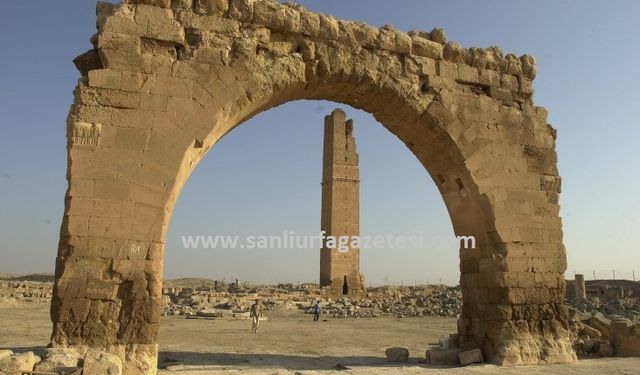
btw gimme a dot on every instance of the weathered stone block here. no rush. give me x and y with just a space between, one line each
120 52
453 52
514 65
5 354
269 14
443 357
403 43
102 363
468 73
18 363
509 82
470 356
73 287
241 10
211 6
117 20
114 98
159 24
427 65
387 39
129 118
215 23
59 360
526 85
182 4
154 103
87 62
498 312
529 68
157 3
329 27
501 94
489 77
131 138
447 69
397 354
105 78
170 86
365 35
424 47
438 35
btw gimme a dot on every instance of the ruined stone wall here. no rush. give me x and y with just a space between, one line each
167 79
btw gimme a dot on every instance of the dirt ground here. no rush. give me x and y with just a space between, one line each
288 342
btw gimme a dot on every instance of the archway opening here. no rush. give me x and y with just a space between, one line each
345 286
215 201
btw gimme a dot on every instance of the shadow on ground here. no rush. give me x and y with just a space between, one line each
287 361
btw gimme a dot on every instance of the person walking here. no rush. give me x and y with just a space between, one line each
316 311
255 314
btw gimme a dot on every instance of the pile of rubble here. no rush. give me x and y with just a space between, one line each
438 300
605 329
12 291
209 299
234 300
623 307
432 300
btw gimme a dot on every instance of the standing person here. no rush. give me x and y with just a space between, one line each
316 311
255 313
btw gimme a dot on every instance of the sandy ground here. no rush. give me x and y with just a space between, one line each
290 343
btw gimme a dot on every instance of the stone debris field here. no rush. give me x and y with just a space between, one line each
164 80
604 326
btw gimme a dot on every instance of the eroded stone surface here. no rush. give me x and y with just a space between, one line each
166 80
59 360
397 354
340 217
17 362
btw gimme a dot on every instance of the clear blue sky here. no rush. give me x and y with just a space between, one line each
265 176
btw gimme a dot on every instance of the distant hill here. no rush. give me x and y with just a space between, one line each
187 282
40 277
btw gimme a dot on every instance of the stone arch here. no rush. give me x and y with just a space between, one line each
167 79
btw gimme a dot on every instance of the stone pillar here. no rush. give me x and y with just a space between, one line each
340 268
581 290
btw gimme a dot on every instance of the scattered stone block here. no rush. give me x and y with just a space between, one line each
5 354
601 323
576 315
19 362
242 315
626 338
470 356
397 354
59 360
443 357
589 331
605 350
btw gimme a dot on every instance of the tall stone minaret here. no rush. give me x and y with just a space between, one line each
340 205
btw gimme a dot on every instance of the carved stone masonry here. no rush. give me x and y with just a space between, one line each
166 80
